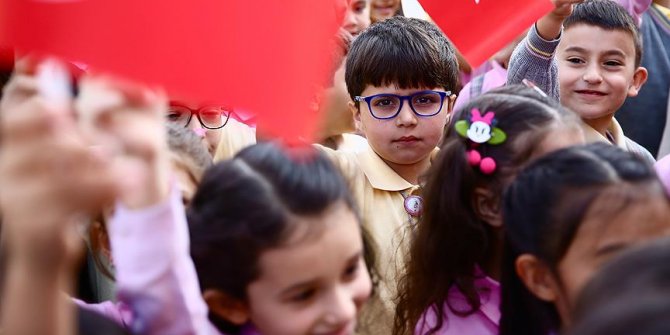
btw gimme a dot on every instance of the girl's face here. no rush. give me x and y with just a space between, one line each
356 16
603 235
316 284
383 9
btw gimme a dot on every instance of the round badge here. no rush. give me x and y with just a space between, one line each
414 205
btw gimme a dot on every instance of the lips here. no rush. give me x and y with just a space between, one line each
591 93
347 329
406 139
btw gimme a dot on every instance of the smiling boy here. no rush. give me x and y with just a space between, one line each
589 59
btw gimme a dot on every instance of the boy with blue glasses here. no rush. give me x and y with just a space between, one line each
399 75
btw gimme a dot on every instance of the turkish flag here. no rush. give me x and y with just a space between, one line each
479 28
265 57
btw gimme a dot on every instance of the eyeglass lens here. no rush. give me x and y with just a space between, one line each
209 117
423 103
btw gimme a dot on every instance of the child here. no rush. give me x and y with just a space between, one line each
384 9
565 215
629 295
399 74
206 121
286 255
356 16
461 225
592 70
276 243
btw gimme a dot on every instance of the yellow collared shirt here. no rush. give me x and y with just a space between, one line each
380 193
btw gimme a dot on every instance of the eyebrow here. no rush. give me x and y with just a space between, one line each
611 248
613 52
310 282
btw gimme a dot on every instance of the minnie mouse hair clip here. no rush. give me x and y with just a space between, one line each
481 130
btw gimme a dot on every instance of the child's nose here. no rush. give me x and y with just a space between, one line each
342 309
592 75
406 117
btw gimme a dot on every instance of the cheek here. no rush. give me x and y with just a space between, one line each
433 128
362 287
577 267
213 137
567 76
270 316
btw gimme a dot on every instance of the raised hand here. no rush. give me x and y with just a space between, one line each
128 121
549 27
50 178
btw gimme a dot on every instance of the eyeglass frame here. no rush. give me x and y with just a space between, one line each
368 99
197 113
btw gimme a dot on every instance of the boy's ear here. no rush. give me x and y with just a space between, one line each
226 307
639 78
451 103
356 113
487 206
537 277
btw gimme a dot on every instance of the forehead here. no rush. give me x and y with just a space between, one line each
313 253
596 40
623 220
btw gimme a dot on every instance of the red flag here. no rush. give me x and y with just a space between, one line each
479 28
262 57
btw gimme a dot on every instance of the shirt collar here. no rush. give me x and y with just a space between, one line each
489 296
380 175
614 129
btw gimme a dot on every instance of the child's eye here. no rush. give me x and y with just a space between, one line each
613 63
384 102
351 271
174 116
425 100
303 296
575 60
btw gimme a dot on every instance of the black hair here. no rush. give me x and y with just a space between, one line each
450 229
408 53
608 15
247 205
629 295
543 209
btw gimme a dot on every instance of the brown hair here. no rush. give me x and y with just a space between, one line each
607 15
451 231
409 53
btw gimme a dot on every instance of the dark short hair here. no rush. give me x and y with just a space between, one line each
409 53
247 205
608 15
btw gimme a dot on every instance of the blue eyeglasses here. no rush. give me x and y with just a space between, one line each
387 106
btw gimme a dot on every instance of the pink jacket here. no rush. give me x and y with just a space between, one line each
484 321
157 286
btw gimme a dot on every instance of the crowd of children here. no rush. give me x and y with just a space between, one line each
513 206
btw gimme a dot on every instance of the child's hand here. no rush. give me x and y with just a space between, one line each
128 121
549 26
563 8
48 174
